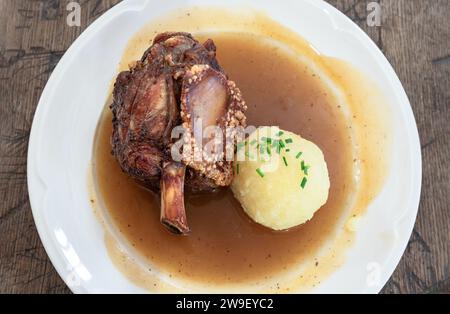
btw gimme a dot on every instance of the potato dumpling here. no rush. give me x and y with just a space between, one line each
281 179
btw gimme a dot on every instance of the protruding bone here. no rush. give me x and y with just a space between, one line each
173 213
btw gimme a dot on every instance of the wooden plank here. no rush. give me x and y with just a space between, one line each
34 36
414 35
416 38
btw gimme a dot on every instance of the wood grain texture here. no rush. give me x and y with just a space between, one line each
414 35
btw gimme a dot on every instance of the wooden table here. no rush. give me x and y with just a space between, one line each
414 35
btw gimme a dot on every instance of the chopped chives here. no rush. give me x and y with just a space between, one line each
305 171
253 142
289 140
260 172
278 144
298 155
304 167
266 139
285 161
237 168
240 145
303 183
268 150
287 150
262 148
280 133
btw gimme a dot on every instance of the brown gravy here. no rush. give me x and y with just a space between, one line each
225 246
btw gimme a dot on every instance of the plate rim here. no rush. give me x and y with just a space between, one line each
32 176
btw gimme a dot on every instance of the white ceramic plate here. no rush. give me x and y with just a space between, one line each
63 130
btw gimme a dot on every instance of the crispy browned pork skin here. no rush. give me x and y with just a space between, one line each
177 81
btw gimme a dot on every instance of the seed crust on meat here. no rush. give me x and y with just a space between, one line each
177 82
